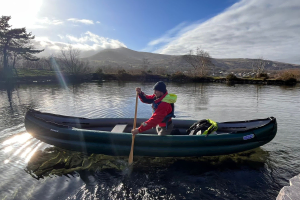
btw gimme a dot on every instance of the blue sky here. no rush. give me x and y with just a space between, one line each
225 28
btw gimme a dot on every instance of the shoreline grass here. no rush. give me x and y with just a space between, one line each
30 75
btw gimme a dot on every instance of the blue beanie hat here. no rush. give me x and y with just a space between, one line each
160 86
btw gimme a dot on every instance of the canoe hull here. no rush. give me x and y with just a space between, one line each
119 144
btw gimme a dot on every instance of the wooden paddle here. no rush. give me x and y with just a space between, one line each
130 159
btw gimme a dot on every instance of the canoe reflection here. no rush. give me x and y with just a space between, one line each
57 161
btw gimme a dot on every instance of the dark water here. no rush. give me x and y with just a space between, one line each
31 169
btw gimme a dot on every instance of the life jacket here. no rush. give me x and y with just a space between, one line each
171 99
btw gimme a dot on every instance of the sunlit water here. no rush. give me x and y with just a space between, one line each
258 174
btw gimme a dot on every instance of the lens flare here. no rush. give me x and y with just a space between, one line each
58 73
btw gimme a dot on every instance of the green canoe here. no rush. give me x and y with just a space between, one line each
111 136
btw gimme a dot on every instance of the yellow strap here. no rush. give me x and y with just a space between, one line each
214 126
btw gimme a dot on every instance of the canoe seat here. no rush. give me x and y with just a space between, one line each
119 128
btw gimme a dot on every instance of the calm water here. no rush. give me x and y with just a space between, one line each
257 174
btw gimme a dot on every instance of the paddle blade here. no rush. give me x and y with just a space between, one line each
130 159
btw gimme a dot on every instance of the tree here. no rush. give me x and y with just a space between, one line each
71 63
200 61
258 66
15 43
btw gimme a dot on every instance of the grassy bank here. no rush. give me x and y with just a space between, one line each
23 73
43 75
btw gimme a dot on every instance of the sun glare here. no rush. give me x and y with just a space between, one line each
27 151
21 138
32 152
8 149
23 13
21 148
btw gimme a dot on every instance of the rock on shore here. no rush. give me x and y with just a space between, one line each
291 192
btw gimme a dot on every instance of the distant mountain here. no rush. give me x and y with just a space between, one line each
246 63
127 55
123 56
127 58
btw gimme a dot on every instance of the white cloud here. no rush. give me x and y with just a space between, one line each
75 39
98 22
248 29
84 21
96 40
88 44
45 20
169 36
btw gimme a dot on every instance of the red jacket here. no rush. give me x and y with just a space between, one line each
160 113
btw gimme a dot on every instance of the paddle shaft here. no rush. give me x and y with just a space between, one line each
130 159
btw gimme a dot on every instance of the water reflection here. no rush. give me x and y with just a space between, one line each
10 89
230 83
57 161
12 106
9 96
201 95
151 177
289 87
19 147
121 84
192 97
20 138
75 88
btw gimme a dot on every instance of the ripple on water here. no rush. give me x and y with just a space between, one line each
259 174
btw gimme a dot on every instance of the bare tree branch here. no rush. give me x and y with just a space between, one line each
200 61
258 66
71 63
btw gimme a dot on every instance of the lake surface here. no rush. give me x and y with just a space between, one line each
257 174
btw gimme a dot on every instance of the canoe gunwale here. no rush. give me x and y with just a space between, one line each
84 126
272 121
